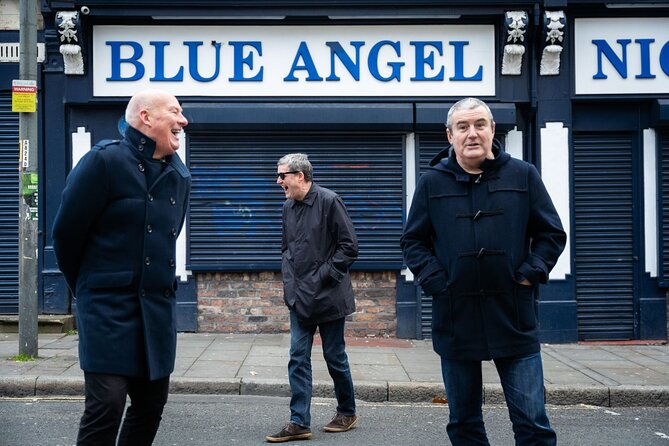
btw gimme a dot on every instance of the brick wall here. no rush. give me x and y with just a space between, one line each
253 303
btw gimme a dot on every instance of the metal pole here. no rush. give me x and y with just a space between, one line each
28 326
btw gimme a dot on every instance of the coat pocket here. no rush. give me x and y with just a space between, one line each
526 308
442 313
116 279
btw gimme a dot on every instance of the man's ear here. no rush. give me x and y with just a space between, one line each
448 135
144 117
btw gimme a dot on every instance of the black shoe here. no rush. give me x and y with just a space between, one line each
290 432
341 423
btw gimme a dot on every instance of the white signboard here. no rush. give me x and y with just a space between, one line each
621 55
439 60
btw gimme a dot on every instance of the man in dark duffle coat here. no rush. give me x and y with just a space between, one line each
114 236
481 235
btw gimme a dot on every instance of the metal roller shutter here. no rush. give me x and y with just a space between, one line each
9 209
604 257
664 211
429 144
235 209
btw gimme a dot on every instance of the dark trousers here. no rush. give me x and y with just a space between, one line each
299 368
105 402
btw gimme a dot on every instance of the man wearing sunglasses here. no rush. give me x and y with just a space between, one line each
318 247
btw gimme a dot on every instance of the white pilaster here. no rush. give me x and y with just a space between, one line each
555 174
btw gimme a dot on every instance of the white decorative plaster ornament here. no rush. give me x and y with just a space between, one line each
550 59
74 62
73 58
512 59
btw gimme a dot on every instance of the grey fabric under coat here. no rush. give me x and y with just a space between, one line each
114 237
318 247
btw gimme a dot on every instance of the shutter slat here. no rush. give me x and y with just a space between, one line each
603 234
664 197
9 207
235 207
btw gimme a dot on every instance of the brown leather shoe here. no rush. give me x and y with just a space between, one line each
290 432
341 423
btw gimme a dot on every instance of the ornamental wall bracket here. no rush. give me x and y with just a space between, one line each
553 33
515 24
68 26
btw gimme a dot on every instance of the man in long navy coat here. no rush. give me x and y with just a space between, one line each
115 236
481 235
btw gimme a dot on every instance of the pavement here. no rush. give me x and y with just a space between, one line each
383 369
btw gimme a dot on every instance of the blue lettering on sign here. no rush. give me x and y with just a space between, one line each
116 60
422 60
241 61
664 58
619 64
193 61
308 65
352 67
382 55
160 64
459 63
644 46
373 61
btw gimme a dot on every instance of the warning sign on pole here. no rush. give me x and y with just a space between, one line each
24 96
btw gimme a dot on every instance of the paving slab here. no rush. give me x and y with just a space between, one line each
383 369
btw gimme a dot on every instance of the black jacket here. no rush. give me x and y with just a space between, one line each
318 247
114 237
470 240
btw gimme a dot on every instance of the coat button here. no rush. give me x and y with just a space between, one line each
167 292
150 197
173 201
149 229
142 292
174 231
140 166
147 261
172 263
142 140
140 148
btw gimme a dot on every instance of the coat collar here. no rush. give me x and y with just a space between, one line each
310 197
144 147
445 161
141 144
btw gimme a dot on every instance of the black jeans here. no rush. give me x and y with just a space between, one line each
105 402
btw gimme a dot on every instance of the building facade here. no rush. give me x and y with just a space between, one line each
579 88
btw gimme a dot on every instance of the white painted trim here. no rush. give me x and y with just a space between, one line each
650 201
409 183
181 271
513 143
555 174
81 144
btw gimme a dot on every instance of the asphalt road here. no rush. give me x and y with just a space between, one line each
245 420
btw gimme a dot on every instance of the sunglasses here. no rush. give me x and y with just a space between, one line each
282 175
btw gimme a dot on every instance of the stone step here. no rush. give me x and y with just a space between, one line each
46 323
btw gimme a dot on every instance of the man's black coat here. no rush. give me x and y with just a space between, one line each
114 236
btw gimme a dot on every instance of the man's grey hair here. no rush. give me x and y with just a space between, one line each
467 104
299 162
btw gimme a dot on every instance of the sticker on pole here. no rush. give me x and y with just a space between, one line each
24 96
